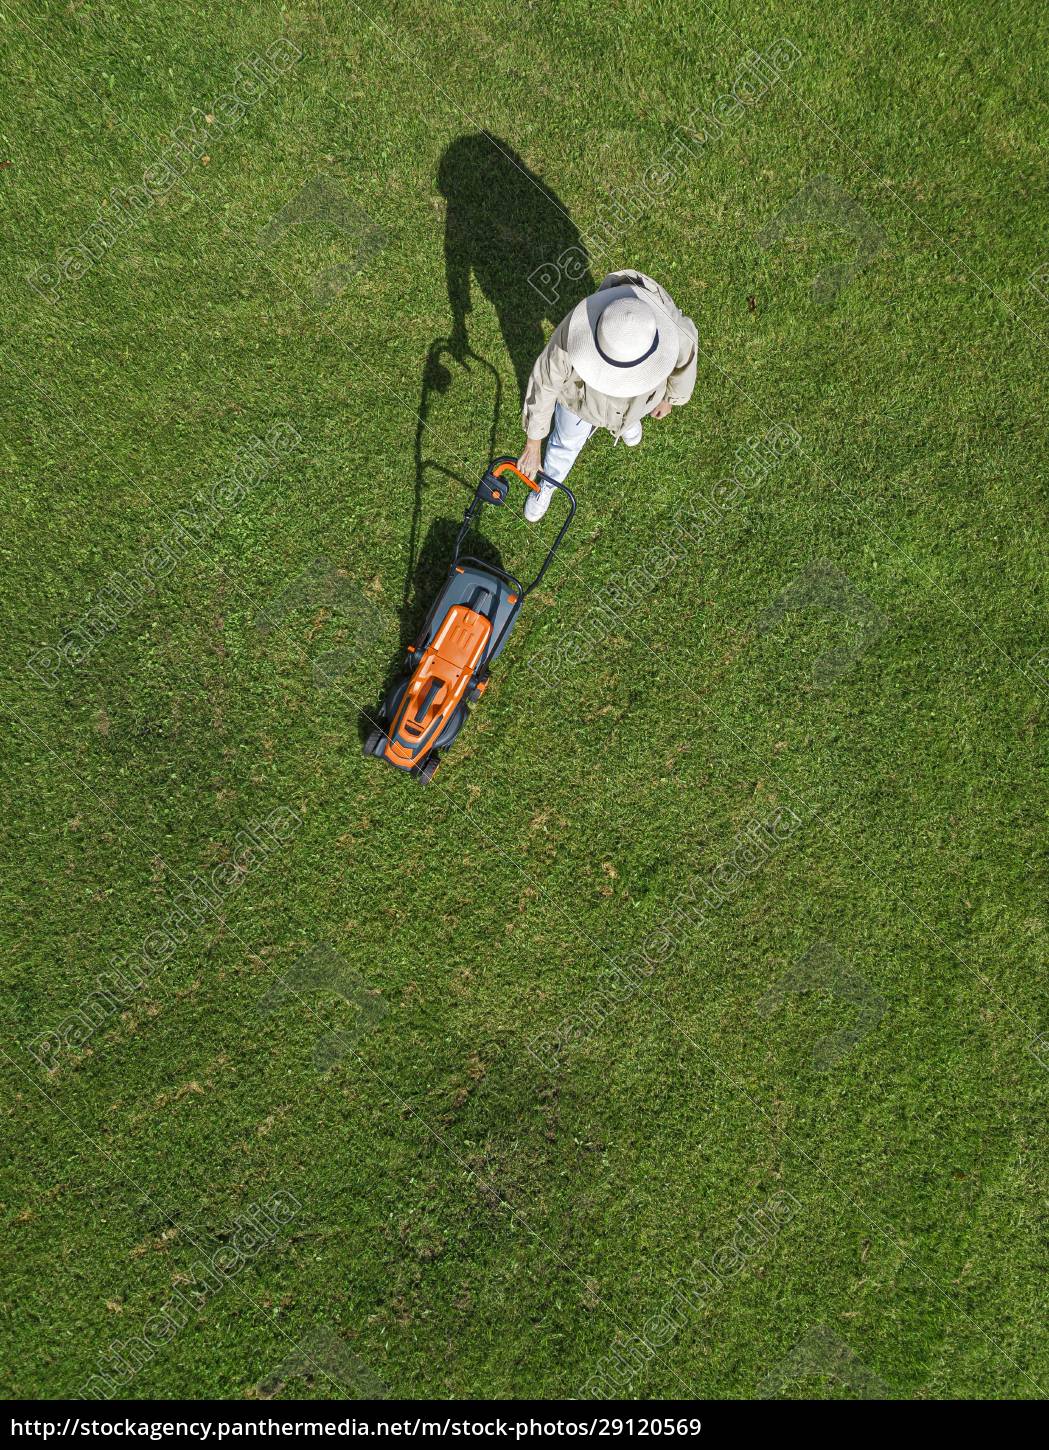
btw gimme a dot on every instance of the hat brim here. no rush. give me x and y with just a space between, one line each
619 382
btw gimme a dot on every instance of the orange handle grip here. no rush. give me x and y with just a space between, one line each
502 468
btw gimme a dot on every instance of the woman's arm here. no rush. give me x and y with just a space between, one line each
551 371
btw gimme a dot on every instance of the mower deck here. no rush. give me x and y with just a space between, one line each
438 684
447 668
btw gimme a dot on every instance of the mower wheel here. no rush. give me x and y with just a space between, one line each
425 772
374 743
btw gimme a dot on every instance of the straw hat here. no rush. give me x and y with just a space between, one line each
621 343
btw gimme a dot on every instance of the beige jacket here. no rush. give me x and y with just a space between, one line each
554 380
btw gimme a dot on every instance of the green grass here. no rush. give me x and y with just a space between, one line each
474 1221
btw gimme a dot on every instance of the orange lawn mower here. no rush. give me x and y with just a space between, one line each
446 670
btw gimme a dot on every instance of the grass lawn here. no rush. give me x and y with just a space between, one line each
682 1038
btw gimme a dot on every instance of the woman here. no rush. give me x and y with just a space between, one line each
626 352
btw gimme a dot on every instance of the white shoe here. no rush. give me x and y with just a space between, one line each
536 504
632 436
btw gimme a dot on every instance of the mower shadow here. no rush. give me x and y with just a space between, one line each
425 573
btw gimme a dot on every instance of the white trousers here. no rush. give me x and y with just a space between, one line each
563 446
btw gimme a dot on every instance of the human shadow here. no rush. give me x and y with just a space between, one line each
507 230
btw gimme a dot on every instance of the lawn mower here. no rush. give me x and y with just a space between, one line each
446 670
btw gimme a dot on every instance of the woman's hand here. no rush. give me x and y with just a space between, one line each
660 410
531 458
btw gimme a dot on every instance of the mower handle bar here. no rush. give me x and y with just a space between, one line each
507 465
496 469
